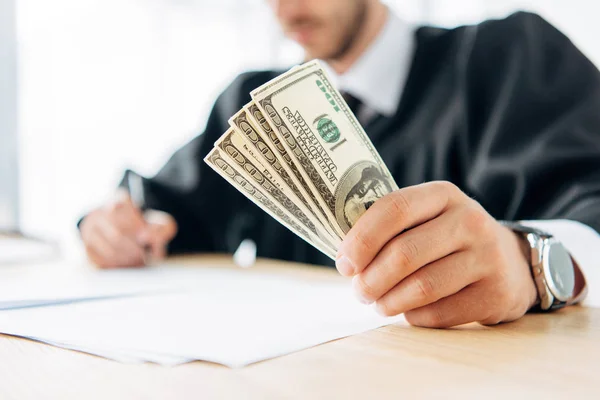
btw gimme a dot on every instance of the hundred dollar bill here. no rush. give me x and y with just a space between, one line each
222 166
326 142
267 133
250 123
235 148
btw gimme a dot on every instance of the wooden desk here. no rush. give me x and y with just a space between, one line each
540 356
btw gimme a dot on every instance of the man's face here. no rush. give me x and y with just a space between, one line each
324 28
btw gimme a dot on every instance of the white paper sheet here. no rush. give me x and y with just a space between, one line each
42 287
123 356
229 317
17 250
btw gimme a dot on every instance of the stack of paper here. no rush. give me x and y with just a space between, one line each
230 317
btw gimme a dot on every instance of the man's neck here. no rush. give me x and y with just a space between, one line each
376 16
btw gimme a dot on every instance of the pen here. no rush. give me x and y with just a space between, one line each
136 191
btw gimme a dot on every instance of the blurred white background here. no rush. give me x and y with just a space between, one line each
105 85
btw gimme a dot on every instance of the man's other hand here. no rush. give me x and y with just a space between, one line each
434 254
120 235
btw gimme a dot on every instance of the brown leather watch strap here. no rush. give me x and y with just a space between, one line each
581 287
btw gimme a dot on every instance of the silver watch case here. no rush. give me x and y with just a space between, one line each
553 270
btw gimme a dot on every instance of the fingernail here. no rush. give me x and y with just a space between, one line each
359 296
344 266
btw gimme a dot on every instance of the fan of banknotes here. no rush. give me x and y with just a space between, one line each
298 152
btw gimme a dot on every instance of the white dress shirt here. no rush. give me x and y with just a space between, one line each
377 79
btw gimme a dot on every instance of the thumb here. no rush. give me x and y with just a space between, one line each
152 238
162 224
157 233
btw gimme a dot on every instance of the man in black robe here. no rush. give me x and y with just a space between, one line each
501 119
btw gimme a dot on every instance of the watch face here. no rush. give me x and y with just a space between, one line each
559 271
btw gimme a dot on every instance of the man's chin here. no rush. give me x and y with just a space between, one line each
312 52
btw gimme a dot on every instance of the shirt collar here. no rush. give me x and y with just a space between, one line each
378 77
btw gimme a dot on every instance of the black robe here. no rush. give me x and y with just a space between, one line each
508 110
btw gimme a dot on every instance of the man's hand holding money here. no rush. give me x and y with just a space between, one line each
435 254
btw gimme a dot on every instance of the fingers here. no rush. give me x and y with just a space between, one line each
389 216
109 234
118 234
158 233
468 305
123 244
103 262
99 250
408 252
164 222
97 259
125 215
154 241
111 248
434 254
429 284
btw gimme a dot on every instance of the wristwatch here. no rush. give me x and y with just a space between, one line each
551 266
